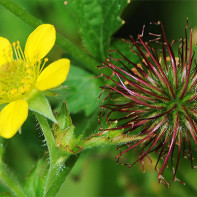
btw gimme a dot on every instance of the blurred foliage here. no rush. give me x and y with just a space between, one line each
96 173
97 21
82 83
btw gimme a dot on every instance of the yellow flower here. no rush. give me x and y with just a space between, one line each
22 77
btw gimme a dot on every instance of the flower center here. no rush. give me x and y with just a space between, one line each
17 76
16 79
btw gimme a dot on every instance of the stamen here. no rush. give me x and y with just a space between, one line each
45 61
15 50
19 50
17 77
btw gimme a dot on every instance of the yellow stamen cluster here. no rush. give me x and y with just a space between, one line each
17 75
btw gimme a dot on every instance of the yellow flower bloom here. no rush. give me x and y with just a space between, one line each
22 76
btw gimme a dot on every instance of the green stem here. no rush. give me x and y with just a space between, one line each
61 175
48 137
9 180
60 166
77 54
63 42
97 141
53 151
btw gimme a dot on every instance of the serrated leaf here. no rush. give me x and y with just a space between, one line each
98 20
83 91
34 185
40 104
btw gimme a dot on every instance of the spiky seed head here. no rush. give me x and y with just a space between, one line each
154 96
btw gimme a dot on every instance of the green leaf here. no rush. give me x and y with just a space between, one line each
98 20
84 91
34 185
40 104
64 131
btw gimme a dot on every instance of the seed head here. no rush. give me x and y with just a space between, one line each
155 97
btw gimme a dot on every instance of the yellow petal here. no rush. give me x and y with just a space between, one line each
5 50
53 75
12 117
40 42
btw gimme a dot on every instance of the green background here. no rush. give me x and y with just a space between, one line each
96 172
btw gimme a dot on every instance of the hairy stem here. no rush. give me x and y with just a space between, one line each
62 173
48 137
53 151
60 166
102 140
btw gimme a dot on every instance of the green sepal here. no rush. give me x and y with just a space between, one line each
63 118
63 132
38 103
